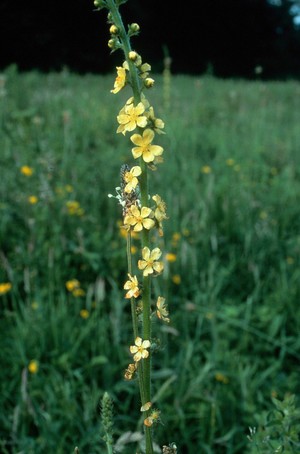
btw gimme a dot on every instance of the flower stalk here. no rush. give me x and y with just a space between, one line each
142 213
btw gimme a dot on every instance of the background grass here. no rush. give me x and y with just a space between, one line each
231 180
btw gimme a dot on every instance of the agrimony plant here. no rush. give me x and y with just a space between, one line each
143 213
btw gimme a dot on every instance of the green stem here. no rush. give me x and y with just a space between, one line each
144 372
132 299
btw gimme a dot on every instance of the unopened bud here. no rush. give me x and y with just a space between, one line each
149 82
134 28
113 29
133 55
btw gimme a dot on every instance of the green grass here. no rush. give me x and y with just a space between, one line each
231 180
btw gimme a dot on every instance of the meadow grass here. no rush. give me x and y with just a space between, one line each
232 187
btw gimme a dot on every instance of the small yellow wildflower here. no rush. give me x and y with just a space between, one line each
74 208
290 260
221 378
139 219
133 250
206 169
5 287
34 305
78 292
33 366
170 257
150 263
69 188
162 311
230 162
139 350
132 286
84 313
176 279
72 285
130 117
33 199
27 171
131 178
176 237
144 146
120 81
160 211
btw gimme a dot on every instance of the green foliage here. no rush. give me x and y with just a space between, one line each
280 431
232 184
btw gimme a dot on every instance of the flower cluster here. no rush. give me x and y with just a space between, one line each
143 214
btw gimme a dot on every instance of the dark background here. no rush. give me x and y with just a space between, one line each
230 38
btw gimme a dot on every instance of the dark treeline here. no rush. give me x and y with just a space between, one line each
230 38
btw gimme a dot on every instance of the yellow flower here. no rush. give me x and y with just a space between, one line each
144 146
230 162
74 208
139 350
162 311
132 286
27 171
290 260
33 199
133 250
131 178
170 257
130 117
176 279
120 80
149 264
72 285
206 169
84 313
33 366
221 378
5 287
139 218
176 237
160 211
77 292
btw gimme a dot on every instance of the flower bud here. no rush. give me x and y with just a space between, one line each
113 29
133 55
134 28
149 82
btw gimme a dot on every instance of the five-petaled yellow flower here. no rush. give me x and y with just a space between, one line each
33 199
130 117
131 178
150 263
33 366
144 146
132 286
139 218
27 171
160 211
162 311
5 287
120 80
139 350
